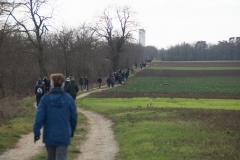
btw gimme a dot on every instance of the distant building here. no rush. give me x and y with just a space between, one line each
142 37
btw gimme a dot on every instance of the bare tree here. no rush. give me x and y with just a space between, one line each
116 38
65 41
32 8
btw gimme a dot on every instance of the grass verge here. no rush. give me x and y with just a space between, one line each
73 149
11 130
199 129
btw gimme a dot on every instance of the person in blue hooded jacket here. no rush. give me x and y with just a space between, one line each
57 114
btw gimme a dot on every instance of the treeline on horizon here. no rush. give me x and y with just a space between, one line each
30 49
70 51
203 51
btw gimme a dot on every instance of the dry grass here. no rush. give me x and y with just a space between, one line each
11 108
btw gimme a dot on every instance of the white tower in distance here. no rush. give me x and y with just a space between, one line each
142 37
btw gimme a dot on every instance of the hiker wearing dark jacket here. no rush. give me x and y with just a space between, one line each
86 82
57 114
99 82
112 81
66 84
39 90
47 84
72 89
109 81
80 83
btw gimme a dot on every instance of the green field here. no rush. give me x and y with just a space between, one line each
173 128
193 68
202 85
104 104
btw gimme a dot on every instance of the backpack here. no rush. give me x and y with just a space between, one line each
39 89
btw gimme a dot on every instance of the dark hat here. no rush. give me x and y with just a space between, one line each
39 82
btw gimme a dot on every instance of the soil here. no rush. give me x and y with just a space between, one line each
162 95
186 73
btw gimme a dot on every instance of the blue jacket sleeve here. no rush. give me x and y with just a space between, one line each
73 116
40 118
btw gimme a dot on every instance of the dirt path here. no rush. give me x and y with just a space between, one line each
24 149
100 143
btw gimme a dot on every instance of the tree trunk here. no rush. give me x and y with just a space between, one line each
43 71
115 62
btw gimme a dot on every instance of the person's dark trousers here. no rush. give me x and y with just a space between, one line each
112 84
108 85
87 87
99 85
57 152
47 89
74 97
38 99
81 87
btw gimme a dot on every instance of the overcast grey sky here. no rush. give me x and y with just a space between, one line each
167 22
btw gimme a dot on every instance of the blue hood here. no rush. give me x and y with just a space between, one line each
57 97
57 114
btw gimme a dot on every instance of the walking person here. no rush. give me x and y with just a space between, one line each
112 81
66 83
81 83
47 84
127 74
108 81
57 114
72 88
86 81
99 80
39 90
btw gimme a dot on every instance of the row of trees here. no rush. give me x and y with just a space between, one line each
30 48
202 51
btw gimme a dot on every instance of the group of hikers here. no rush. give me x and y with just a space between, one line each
117 77
56 111
69 86
142 65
